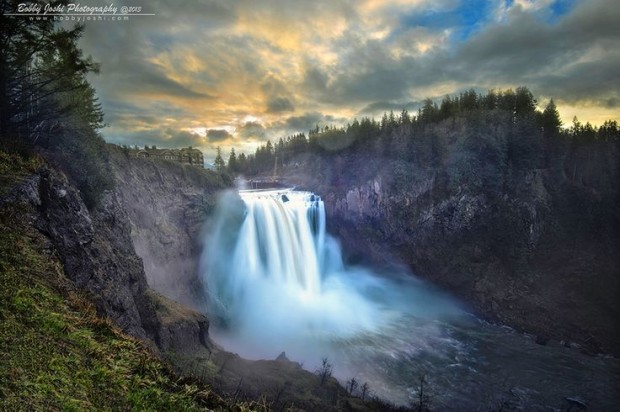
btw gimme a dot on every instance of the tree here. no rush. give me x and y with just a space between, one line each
422 400
325 370
352 385
525 104
242 163
233 166
42 76
364 390
550 120
219 163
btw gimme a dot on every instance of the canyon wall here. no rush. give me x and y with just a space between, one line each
98 256
166 204
529 256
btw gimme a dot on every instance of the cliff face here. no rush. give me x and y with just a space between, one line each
98 256
166 204
527 257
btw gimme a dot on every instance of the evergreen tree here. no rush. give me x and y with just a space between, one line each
525 104
219 163
42 76
233 166
242 165
551 120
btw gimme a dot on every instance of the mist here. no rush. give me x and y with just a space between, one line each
276 282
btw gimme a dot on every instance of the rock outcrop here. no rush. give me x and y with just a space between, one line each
513 257
98 256
166 204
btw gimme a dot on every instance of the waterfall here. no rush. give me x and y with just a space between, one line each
276 281
280 239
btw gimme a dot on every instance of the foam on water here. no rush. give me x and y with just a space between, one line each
276 281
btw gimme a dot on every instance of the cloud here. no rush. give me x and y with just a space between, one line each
251 130
214 64
168 138
218 135
575 59
376 108
307 121
279 104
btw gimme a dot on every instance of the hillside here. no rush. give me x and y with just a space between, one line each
57 352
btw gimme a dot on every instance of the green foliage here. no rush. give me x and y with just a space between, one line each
550 120
233 166
56 353
42 76
480 142
82 155
14 169
219 163
46 101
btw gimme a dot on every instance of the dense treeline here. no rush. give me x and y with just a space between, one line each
479 141
46 103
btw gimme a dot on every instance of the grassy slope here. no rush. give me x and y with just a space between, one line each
55 352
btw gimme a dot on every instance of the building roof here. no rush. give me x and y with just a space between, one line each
158 151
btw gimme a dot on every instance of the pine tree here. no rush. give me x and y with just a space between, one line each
233 166
42 77
551 120
219 163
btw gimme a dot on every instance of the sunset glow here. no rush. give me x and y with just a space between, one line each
236 73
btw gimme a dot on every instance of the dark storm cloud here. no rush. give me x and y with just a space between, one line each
123 115
279 104
217 135
251 130
573 60
314 81
151 81
308 121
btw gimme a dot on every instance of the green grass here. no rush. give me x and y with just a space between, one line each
55 352
14 169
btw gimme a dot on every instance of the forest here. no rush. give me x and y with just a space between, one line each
47 103
491 137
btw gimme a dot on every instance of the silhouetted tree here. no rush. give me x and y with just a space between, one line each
219 163
325 370
550 120
42 77
233 167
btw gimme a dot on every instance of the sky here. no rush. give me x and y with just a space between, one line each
234 73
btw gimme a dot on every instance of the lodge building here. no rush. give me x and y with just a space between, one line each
186 155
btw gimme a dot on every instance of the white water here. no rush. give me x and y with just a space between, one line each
276 282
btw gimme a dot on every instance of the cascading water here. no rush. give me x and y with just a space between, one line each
276 282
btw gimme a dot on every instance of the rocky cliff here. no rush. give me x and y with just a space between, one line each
166 204
98 256
530 256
